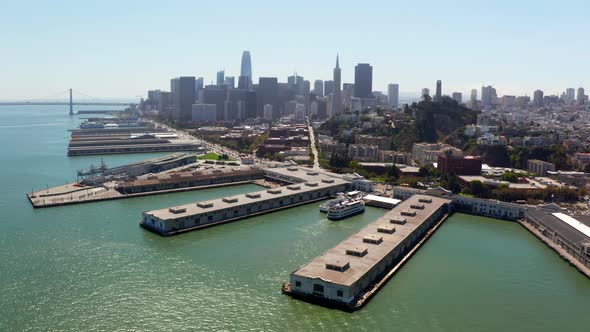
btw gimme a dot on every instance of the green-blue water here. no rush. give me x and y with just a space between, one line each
91 268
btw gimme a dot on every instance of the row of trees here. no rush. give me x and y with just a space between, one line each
505 193
243 144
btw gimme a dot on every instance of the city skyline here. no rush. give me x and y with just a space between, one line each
111 52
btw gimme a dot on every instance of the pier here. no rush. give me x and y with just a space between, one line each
305 186
568 236
137 180
133 147
107 141
347 275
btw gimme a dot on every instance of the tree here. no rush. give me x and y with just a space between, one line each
428 171
479 189
510 177
392 173
476 187
450 182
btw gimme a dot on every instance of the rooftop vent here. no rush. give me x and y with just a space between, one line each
409 213
417 206
230 199
312 173
357 251
204 205
337 265
389 229
311 184
292 169
293 187
253 195
274 191
373 239
177 209
398 220
425 200
328 180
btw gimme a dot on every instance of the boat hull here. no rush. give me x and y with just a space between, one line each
340 217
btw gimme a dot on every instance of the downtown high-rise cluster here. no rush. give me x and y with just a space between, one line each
228 100
189 100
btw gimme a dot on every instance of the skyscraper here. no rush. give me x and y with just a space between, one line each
458 97
488 93
438 96
538 98
244 82
328 87
425 92
245 79
268 94
305 88
213 94
363 80
295 82
230 81
581 97
570 95
220 78
234 106
336 97
393 95
318 88
473 97
199 85
251 101
184 96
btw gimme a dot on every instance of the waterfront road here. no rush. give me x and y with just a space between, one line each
217 148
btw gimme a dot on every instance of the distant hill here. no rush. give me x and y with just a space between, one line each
433 122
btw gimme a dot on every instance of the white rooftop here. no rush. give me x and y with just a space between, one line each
573 222
381 199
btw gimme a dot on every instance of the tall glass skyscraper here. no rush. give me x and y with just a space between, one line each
245 79
246 69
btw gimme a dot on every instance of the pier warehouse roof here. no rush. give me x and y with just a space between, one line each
310 181
355 263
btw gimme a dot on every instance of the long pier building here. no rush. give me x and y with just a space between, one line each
303 186
122 187
349 273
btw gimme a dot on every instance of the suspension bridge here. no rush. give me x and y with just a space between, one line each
55 99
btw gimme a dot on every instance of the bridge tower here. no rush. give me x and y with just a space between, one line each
71 104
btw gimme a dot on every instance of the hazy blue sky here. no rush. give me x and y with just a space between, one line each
123 48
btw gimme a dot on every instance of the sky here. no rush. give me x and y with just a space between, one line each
121 49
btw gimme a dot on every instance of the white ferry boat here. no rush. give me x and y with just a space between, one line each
346 208
324 207
339 198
